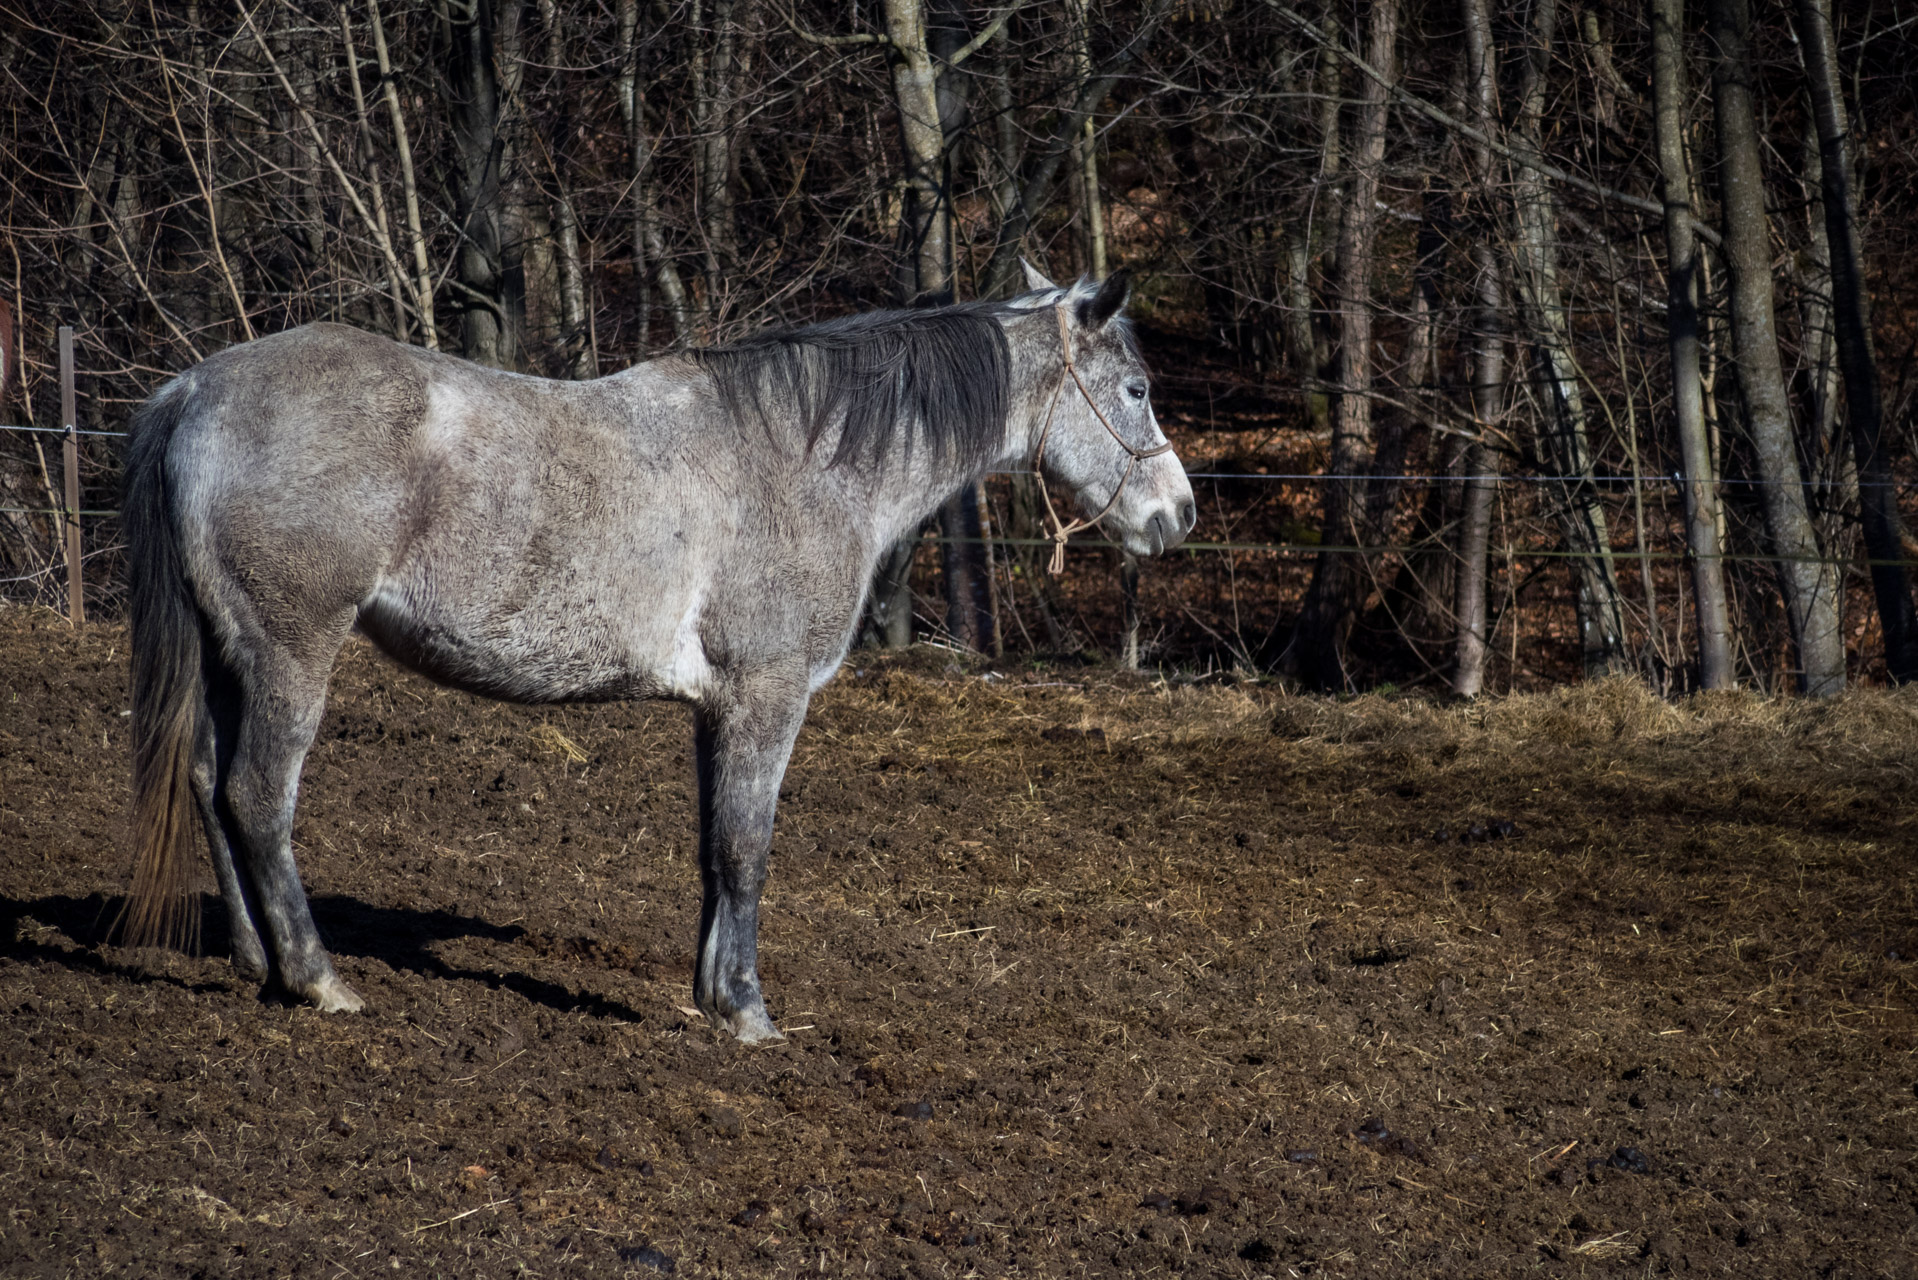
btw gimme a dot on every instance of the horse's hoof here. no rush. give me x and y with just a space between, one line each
752 1026
330 995
249 971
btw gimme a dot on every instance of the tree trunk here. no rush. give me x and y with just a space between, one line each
1830 471
528 275
1702 517
1025 511
409 185
1566 444
1810 587
1129 594
1822 387
649 244
1304 336
926 224
1035 191
305 164
1087 145
1316 651
889 611
926 234
971 590
970 617
475 118
714 67
351 55
1857 363
924 237
1471 636
577 356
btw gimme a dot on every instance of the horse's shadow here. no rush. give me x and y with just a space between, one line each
70 932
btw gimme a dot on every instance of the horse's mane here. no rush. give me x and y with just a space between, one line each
940 373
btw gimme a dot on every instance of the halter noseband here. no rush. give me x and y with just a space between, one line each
1062 530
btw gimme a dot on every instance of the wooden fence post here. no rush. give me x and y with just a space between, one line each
76 599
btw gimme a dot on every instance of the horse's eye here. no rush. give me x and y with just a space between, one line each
1136 390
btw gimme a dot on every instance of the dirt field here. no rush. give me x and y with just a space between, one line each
1084 975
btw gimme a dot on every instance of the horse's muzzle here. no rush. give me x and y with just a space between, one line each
1167 528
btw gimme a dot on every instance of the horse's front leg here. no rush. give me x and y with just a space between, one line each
742 746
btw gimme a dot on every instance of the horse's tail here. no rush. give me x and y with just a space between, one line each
169 698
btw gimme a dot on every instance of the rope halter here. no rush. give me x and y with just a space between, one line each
1062 530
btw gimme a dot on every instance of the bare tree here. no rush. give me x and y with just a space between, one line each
1878 494
714 73
423 290
486 331
580 359
1316 651
1480 460
650 257
535 185
1810 586
1564 437
1702 517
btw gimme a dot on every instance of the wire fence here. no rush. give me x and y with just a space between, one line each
1434 478
1630 552
1210 602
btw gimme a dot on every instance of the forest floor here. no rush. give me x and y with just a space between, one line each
1084 973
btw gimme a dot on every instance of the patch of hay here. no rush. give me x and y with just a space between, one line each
549 739
1615 709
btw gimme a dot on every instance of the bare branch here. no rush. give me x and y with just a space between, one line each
834 42
979 41
384 242
1464 130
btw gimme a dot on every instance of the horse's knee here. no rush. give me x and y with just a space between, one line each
257 803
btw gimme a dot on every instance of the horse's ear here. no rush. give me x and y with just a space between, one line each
1108 302
1035 281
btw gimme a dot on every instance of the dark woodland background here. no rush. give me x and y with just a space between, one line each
1506 344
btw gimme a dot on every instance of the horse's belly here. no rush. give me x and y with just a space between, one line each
533 658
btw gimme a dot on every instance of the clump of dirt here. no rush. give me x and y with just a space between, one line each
1083 973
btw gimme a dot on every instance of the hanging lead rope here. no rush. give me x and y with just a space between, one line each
1062 530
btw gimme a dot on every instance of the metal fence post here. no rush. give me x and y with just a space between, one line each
76 596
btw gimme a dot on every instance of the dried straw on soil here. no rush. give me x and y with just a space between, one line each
1085 974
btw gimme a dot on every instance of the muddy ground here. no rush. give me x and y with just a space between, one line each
1084 974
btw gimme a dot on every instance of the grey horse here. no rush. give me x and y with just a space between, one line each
699 527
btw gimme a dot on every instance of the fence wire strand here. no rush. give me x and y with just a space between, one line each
1289 548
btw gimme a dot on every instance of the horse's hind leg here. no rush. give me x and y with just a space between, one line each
215 743
283 697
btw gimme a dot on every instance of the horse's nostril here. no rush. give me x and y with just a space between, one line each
1189 513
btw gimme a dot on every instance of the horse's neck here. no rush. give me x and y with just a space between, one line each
913 489
905 494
